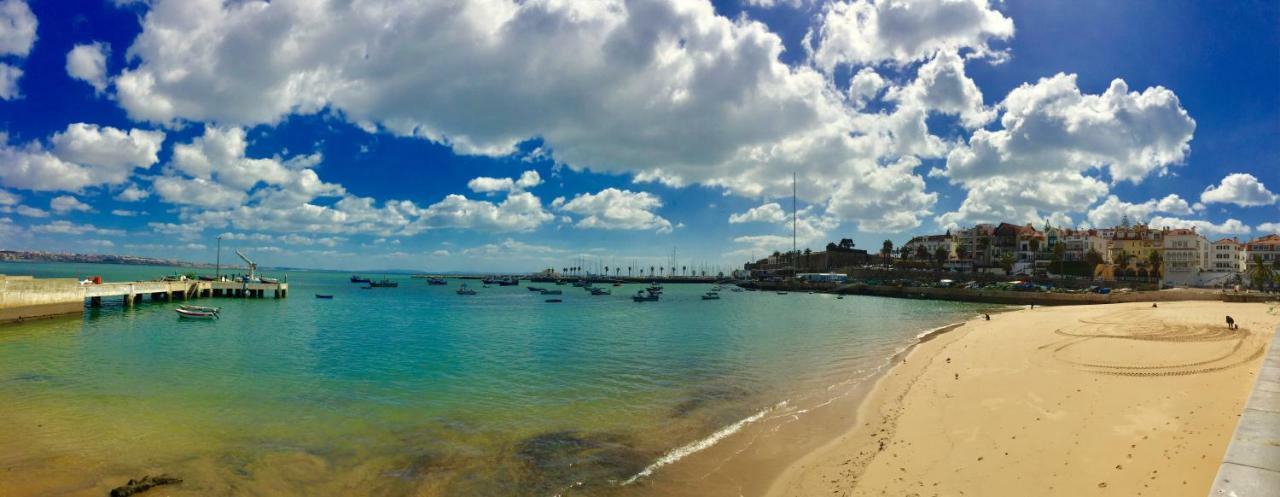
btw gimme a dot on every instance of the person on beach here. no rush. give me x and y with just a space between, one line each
1153 305
1231 324
987 317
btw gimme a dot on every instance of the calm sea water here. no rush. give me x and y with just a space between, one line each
416 390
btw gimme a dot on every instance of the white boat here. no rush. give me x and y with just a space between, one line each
463 290
711 296
198 308
186 314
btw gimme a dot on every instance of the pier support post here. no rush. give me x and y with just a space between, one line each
128 300
95 301
137 299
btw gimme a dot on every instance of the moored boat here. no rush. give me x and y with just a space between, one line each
552 292
437 281
553 301
384 283
600 291
711 296
642 296
200 308
355 278
535 289
463 290
323 296
193 314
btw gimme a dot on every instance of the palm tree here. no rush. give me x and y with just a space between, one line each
650 271
1155 260
984 248
886 250
1059 251
1260 273
683 269
628 271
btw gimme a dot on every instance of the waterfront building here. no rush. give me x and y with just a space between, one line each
1264 249
1226 256
931 244
1185 256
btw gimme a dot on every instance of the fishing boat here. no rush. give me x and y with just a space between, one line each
552 292
534 289
437 281
600 291
265 279
839 297
711 296
580 283
509 281
355 278
782 293
617 283
384 283
194 314
554 301
324 296
642 296
559 282
463 290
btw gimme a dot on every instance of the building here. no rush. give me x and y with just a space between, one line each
1264 249
783 265
931 244
824 277
1078 244
1226 256
1132 247
1185 256
973 245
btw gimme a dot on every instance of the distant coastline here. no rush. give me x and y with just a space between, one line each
132 260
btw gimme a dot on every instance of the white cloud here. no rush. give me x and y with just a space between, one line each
483 184
1113 210
869 32
124 213
66 203
1265 228
31 167
614 209
865 86
884 199
1050 126
1230 226
440 253
70 228
132 194
114 153
811 230
8 198
765 213
520 211
508 248
28 211
1025 200
17 28
88 63
9 76
1241 189
942 86
197 191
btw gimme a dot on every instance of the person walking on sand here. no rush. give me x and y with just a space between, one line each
1231 324
1153 305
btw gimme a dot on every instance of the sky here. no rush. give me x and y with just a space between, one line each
495 135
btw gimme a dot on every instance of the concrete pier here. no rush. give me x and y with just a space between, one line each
23 297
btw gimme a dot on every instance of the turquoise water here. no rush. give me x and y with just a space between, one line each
416 390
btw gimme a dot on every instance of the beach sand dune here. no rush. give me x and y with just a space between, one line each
1120 399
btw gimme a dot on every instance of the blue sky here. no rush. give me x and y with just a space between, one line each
515 136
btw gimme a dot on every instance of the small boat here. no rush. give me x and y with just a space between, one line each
600 291
641 296
207 278
384 283
552 292
559 282
323 296
484 286
782 293
437 281
711 296
839 297
463 290
554 301
265 279
616 283
199 308
359 279
535 289
191 314
509 282
580 283
735 289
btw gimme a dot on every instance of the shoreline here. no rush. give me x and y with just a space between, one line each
900 440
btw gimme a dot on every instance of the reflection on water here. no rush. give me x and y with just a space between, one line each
414 390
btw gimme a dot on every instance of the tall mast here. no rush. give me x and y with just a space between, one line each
793 223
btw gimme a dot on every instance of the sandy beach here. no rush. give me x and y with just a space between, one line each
1120 399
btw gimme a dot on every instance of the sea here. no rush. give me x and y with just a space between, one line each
417 390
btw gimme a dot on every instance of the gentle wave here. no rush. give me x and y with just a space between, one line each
699 445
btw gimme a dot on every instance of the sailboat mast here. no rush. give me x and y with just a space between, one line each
793 223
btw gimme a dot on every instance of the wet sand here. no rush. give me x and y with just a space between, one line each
1120 399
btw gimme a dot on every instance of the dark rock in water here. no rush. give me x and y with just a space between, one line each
146 483
32 377
701 398
557 460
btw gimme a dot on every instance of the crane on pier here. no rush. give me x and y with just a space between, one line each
253 266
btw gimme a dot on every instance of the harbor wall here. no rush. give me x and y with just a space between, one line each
1026 298
23 297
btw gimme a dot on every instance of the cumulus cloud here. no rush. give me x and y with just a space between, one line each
17 28
124 213
88 63
197 191
1113 210
665 90
9 76
1051 126
508 248
132 193
1024 199
8 198
28 211
1265 228
765 213
66 203
1230 226
942 86
114 152
900 32
528 179
520 211
1242 189
810 230
614 209
865 86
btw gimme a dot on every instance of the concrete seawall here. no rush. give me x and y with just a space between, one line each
23 297
1251 466
1024 298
